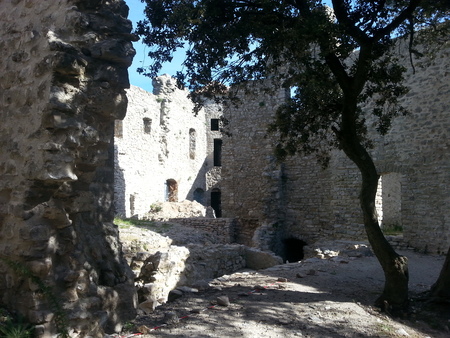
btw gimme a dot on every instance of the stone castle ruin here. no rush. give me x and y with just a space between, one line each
63 102
165 153
298 202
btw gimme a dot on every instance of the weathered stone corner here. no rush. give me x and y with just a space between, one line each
64 75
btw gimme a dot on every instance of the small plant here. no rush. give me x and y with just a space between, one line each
59 318
393 229
155 207
128 326
11 328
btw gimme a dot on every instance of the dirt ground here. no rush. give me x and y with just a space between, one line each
330 297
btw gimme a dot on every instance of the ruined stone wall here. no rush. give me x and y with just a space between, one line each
252 181
161 139
312 203
64 70
223 228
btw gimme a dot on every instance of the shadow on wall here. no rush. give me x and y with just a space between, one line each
206 197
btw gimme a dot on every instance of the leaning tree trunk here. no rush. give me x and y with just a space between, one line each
394 298
440 291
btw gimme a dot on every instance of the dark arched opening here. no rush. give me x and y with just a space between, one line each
293 249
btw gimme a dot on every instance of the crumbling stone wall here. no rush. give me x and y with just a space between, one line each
161 139
223 228
300 199
64 71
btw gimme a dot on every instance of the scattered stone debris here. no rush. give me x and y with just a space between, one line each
170 318
223 301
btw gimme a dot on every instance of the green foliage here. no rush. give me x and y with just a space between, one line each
155 207
297 44
59 318
11 327
393 229
159 227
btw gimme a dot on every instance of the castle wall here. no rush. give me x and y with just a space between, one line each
311 203
161 139
64 70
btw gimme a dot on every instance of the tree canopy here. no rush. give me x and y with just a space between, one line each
320 51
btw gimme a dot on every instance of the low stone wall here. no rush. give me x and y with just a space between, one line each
223 228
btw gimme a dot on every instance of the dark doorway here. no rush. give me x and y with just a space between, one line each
216 202
293 249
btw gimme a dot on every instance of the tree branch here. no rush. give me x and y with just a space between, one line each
397 21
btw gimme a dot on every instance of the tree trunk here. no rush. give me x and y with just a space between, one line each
440 291
394 298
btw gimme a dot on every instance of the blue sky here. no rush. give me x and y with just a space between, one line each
141 58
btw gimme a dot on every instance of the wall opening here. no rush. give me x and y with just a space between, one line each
214 124
171 190
293 249
199 196
217 152
216 202
192 140
388 202
147 125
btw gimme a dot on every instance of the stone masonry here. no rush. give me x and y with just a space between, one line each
300 199
64 71
164 152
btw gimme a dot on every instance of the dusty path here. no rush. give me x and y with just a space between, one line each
312 298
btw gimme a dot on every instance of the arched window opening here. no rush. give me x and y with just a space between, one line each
216 202
147 125
171 190
192 140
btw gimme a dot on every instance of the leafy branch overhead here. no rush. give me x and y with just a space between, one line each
330 56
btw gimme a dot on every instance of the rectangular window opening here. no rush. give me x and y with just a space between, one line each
215 124
217 152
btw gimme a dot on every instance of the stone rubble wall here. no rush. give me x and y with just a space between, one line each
182 252
176 145
223 228
64 71
300 199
